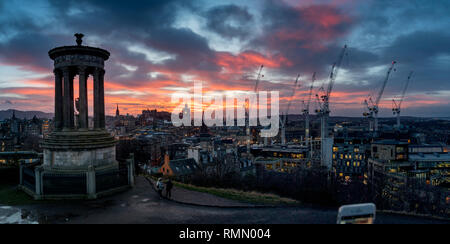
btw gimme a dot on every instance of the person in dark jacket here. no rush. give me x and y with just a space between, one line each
159 187
169 186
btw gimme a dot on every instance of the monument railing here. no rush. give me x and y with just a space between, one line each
60 184
111 179
28 178
28 175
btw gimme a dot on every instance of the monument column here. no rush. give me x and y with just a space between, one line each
58 99
72 105
68 99
97 98
83 98
101 98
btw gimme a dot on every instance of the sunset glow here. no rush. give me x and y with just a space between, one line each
159 55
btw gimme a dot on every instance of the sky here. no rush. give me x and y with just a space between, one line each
162 46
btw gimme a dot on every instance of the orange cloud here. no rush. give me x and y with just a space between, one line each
246 60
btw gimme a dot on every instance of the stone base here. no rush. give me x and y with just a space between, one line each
78 140
79 150
43 183
74 197
80 160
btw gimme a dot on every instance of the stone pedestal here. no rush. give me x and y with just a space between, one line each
79 162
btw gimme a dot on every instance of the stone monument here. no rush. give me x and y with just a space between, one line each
75 149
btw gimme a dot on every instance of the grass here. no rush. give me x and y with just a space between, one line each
242 196
11 196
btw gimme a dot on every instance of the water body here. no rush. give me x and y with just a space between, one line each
12 215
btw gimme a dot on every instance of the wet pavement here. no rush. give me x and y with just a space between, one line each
11 215
142 205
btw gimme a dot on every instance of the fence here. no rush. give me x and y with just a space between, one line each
29 178
61 184
111 179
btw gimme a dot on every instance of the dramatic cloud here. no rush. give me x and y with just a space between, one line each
159 47
229 21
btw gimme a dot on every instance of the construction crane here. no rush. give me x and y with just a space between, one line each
367 113
259 78
306 110
324 111
397 105
374 106
284 117
247 107
324 101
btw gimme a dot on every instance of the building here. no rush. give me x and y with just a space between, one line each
409 177
282 158
34 127
350 156
181 168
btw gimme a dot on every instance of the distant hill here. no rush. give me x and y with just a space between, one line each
6 114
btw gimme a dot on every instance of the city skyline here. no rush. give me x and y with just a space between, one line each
162 47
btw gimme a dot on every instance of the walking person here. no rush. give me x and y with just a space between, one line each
169 186
159 187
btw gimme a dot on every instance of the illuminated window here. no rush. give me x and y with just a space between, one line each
335 149
341 156
356 150
334 156
348 164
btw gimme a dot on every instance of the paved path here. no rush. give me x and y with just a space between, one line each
143 205
199 198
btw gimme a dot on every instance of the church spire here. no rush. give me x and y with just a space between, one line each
117 111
